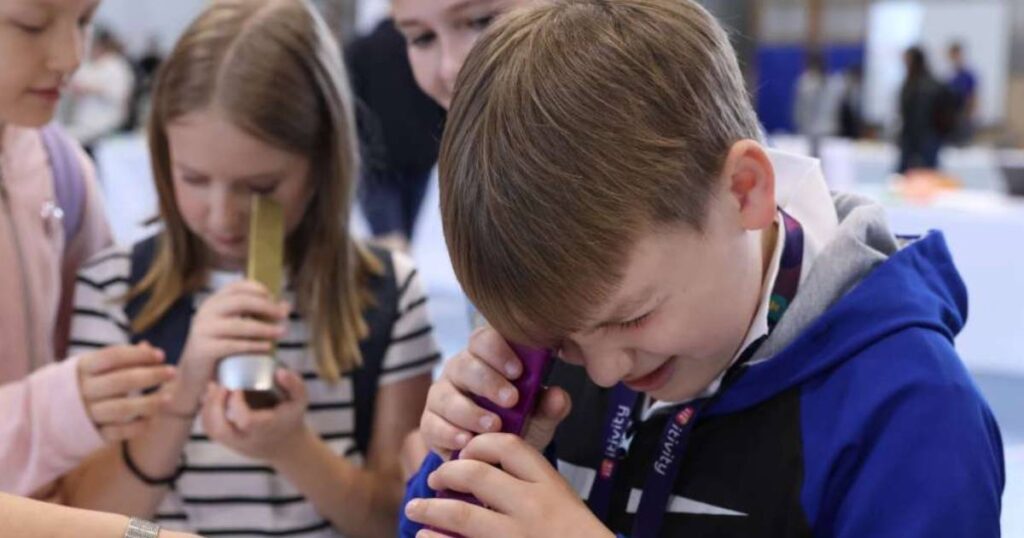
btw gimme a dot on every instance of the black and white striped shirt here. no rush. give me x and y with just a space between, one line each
222 493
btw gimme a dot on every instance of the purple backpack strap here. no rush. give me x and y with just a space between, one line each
68 182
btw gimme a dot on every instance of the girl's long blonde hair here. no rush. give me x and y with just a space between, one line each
274 69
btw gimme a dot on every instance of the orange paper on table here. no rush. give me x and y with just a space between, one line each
923 186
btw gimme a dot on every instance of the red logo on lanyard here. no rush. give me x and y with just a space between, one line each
684 416
607 468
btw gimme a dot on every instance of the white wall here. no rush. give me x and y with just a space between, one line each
1017 31
369 13
135 21
787 23
983 27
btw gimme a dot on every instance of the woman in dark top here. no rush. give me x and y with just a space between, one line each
919 139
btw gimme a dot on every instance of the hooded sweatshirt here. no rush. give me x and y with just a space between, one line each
856 417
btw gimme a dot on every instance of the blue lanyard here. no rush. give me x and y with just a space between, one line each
675 437
617 429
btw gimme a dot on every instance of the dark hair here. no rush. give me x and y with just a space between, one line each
917 63
105 37
815 60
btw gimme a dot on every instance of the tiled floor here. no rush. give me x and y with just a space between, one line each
130 199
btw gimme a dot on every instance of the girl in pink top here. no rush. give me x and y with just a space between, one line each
52 414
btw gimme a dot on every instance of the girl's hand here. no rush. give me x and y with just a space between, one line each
264 434
111 381
240 318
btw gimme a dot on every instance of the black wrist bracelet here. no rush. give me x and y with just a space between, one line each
146 479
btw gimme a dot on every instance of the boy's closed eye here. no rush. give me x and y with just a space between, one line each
634 323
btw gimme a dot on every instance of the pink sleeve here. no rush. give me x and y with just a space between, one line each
45 431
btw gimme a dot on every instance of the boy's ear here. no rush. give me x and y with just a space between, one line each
749 179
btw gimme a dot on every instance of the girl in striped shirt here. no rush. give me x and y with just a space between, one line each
254 100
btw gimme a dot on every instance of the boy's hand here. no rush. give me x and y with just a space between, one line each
111 380
527 497
263 434
240 318
451 417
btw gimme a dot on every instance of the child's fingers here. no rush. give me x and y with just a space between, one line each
126 410
237 411
213 414
494 350
220 348
248 305
122 432
457 517
115 357
473 375
293 386
553 407
441 436
245 328
427 533
245 287
245 419
512 454
474 477
460 410
120 382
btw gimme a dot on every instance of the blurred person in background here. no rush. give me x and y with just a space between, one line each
964 86
851 105
816 107
150 61
438 36
101 92
400 131
145 68
920 101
